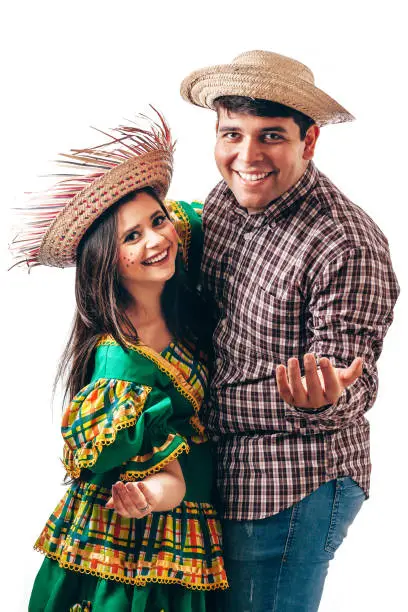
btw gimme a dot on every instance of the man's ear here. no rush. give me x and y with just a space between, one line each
310 140
216 126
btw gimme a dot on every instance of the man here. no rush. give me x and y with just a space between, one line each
299 276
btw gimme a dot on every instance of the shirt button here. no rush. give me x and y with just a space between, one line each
248 235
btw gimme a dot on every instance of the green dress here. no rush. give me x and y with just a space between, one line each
139 412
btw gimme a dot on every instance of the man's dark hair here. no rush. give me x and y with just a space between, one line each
263 108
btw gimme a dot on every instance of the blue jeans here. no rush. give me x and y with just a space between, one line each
279 564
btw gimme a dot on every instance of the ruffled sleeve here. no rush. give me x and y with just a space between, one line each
120 424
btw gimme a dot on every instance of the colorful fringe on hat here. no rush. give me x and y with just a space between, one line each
55 220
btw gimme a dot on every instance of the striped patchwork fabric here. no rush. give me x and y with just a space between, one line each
104 423
94 417
311 273
180 213
194 372
180 546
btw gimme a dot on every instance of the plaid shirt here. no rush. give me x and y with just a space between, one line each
311 273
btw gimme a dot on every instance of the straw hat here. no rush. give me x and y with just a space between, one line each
55 220
267 76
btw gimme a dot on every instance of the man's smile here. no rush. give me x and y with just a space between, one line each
253 178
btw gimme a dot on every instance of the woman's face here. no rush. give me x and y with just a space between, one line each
147 243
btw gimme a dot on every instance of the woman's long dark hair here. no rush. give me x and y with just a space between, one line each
102 301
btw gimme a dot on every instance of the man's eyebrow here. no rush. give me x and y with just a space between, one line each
229 129
272 128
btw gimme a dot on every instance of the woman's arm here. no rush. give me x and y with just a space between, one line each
156 493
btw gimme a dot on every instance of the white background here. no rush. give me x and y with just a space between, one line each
70 65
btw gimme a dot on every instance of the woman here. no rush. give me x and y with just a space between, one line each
136 530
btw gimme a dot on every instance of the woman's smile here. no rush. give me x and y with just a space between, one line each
157 259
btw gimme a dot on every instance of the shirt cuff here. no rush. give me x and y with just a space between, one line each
315 419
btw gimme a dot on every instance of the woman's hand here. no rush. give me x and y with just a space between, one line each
132 500
157 493
319 387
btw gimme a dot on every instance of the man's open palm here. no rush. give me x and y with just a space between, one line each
320 386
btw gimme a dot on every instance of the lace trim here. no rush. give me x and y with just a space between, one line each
137 580
75 457
183 387
182 218
133 475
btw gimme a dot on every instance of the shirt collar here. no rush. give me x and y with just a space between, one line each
280 207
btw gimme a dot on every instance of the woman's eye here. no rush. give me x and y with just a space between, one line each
132 237
159 220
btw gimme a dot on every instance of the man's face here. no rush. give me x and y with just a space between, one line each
260 158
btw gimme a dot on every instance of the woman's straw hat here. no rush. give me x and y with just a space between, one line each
56 220
267 76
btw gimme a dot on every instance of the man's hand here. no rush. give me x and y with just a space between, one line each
318 387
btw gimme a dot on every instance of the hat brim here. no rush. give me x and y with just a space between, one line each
60 243
202 87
